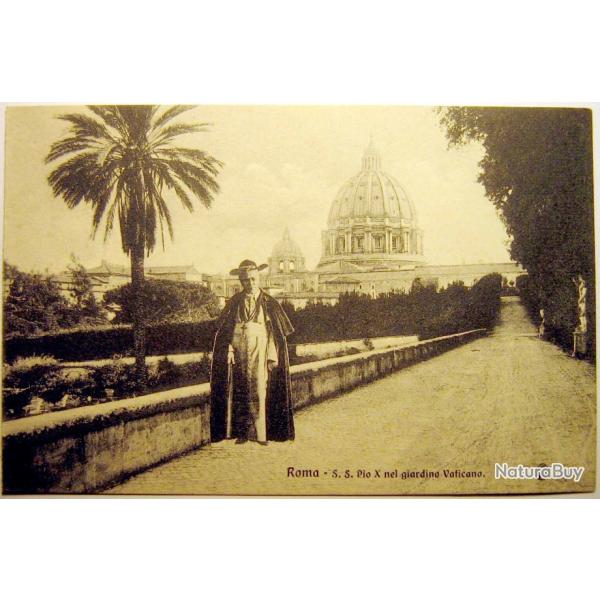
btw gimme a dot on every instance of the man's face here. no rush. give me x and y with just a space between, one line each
249 281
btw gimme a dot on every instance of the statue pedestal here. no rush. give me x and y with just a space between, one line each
579 343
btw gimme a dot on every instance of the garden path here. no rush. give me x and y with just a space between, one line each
508 397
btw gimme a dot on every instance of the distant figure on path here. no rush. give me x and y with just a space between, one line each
250 375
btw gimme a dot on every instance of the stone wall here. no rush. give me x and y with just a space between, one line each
86 449
326 349
316 381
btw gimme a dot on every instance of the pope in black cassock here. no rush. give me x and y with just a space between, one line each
250 373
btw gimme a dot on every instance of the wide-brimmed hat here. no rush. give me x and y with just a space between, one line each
248 265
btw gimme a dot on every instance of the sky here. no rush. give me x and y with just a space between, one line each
282 167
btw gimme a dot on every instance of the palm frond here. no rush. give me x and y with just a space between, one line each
200 158
150 222
195 179
86 127
110 217
111 116
165 175
170 114
138 119
103 193
79 178
172 131
166 216
130 213
70 146
198 172
102 202
158 182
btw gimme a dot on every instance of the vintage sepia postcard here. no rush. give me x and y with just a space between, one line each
298 300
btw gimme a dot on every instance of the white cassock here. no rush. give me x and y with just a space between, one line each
253 346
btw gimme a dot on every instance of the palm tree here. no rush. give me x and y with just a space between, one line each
121 161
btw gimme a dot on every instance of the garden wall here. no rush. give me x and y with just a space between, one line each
86 449
325 349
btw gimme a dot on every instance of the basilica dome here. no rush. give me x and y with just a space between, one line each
371 193
372 222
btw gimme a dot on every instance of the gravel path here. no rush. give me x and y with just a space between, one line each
509 397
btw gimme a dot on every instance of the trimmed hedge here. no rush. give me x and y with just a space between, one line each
94 344
529 298
477 309
423 311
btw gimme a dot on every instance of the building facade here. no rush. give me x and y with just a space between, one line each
372 244
108 276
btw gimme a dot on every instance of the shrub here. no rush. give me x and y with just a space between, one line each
14 401
166 373
45 378
461 309
104 342
164 300
529 297
25 372
163 373
484 302
56 384
117 376
42 377
197 371
448 322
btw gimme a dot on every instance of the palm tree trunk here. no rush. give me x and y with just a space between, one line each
139 325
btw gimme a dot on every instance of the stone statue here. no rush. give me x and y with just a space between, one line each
580 333
581 302
542 325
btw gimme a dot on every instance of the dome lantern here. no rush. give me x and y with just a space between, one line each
371 160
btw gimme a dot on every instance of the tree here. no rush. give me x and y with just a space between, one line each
121 161
82 292
537 171
164 300
33 304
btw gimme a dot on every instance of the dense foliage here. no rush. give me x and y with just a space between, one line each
82 294
34 304
164 300
529 297
56 387
422 311
104 342
537 171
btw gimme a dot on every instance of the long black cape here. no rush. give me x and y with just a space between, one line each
279 415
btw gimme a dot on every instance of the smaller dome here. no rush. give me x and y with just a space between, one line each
286 246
